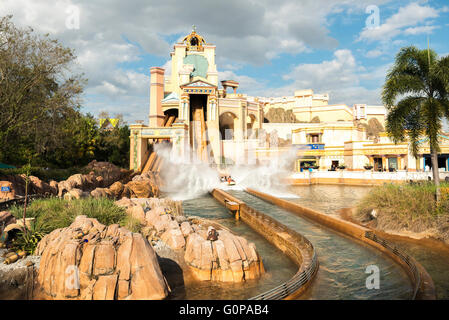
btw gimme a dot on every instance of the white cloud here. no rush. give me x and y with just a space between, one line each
341 77
419 30
115 32
374 53
404 21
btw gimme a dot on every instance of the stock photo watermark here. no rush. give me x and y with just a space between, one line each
373 20
373 280
72 280
72 21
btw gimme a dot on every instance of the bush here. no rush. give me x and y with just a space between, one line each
54 213
45 174
409 206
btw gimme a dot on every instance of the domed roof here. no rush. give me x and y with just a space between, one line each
194 41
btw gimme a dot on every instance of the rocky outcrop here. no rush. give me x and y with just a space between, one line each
17 185
280 115
227 258
101 193
6 218
109 172
142 189
80 181
16 279
142 186
75 194
230 258
89 261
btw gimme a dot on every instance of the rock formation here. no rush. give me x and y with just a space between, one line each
111 263
229 258
17 183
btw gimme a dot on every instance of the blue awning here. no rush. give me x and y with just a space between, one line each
6 166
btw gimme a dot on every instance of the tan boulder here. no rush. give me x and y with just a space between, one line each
142 189
186 229
108 171
124 203
113 263
116 189
137 213
54 187
104 288
174 238
39 186
101 193
228 259
74 194
162 222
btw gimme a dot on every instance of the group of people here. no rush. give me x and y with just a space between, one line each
227 179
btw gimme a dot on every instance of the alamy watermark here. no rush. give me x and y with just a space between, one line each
72 280
373 280
373 20
72 21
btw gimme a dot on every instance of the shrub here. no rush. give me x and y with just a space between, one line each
45 174
54 213
409 206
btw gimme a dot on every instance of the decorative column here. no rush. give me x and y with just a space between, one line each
212 116
184 112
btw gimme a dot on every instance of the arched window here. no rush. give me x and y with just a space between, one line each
226 121
194 41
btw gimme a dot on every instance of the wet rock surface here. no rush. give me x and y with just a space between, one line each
16 279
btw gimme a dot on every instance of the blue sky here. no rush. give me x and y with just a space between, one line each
271 47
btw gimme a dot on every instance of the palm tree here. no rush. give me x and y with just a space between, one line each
416 93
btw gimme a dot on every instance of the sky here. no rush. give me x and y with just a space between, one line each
272 48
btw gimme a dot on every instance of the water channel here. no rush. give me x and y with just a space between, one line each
343 261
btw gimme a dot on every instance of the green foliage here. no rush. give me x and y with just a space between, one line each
132 224
409 207
27 241
40 118
38 94
54 213
417 97
45 174
113 146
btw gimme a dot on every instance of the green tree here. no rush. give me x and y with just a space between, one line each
113 145
416 95
38 93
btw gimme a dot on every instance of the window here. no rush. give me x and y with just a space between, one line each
314 138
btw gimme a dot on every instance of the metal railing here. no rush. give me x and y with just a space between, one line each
4 205
401 255
292 285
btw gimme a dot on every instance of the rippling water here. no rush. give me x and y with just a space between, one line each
329 199
279 267
342 261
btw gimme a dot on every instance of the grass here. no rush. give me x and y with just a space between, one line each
410 207
55 213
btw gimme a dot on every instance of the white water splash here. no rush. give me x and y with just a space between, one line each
269 178
183 180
